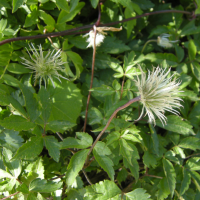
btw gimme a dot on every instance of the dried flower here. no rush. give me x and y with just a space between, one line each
43 66
99 39
158 94
99 36
163 41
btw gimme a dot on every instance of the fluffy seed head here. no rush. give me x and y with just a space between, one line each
44 66
163 41
99 39
158 94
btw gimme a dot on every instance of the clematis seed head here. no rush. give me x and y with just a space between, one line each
158 94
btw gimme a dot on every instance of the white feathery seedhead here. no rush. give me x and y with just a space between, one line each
163 41
44 67
158 94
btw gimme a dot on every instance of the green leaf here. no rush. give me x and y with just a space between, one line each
112 45
94 116
31 149
125 150
185 81
53 147
10 139
77 61
154 138
32 18
10 80
138 194
103 190
104 90
45 103
31 102
190 29
190 143
125 3
14 166
170 155
185 182
4 174
193 164
4 3
84 140
63 5
5 54
16 123
65 17
66 101
44 186
16 68
149 159
195 70
131 23
59 125
3 24
100 152
48 20
192 50
196 179
74 168
94 3
7 185
73 5
158 58
177 125
23 188
16 4
170 175
164 190
194 116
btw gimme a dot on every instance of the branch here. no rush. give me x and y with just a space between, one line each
75 30
109 121
10 195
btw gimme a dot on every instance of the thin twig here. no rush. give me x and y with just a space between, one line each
86 176
92 77
75 30
59 135
10 195
109 121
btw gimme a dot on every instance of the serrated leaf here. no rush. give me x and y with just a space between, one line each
193 164
53 147
112 137
94 116
196 179
73 169
185 182
32 18
170 175
100 152
149 159
194 116
170 155
83 141
133 166
164 190
190 143
138 194
16 123
125 150
104 90
103 190
48 20
23 188
31 149
177 125
44 186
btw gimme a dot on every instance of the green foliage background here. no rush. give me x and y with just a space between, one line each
135 161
